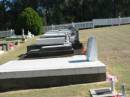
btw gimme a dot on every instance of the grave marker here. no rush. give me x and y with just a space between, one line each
92 49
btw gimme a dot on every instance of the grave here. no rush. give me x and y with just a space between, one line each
54 50
50 41
57 37
51 47
108 91
52 33
53 37
39 73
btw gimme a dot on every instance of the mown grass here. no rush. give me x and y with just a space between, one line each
114 51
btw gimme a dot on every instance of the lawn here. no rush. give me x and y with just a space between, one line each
114 51
17 52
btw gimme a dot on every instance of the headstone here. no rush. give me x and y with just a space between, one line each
112 85
123 90
23 35
92 49
67 38
29 34
53 27
11 31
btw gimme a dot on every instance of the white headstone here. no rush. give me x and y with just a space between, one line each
67 38
23 35
92 49
29 34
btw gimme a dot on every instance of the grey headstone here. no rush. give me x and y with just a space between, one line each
92 49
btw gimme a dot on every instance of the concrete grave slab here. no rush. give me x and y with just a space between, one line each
50 67
50 72
50 41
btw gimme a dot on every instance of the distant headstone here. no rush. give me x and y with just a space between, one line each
29 34
92 49
11 31
73 25
23 35
67 38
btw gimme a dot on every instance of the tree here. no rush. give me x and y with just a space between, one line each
29 20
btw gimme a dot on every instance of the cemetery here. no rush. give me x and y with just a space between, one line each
9 41
64 48
53 71
66 70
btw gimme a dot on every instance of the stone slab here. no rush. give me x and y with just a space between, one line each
37 53
50 81
45 51
50 41
66 46
52 35
99 92
74 65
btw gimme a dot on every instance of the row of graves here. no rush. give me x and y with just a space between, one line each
52 62
55 42
8 39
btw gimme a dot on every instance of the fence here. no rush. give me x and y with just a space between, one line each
80 25
6 33
91 24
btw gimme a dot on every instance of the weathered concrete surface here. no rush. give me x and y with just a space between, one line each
50 41
53 71
50 81
73 65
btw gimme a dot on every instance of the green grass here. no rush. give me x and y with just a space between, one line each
114 51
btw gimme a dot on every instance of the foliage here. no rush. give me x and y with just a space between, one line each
29 20
63 11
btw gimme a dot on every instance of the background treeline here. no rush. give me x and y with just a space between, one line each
62 11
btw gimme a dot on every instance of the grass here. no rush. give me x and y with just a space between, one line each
17 52
114 51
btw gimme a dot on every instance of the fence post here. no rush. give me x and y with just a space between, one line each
119 18
93 24
112 22
52 27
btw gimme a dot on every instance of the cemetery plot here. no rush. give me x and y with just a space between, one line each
51 72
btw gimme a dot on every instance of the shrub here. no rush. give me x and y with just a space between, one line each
29 20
